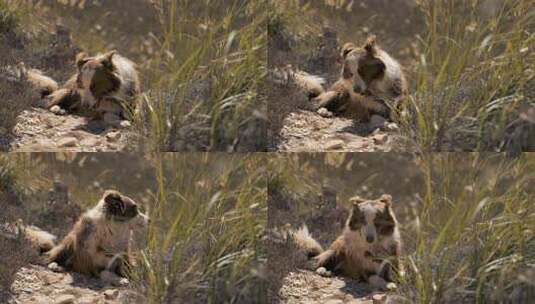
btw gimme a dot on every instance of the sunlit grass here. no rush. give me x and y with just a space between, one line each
205 78
473 234
472 75
209 216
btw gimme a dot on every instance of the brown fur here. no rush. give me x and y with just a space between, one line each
369 247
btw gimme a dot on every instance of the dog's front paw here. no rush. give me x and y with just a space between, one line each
322 271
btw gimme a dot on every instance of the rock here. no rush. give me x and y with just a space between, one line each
334 145
392 126
379 298
324 112
65 299
113 136
111 294
334 301
67 142
125 124
380 139
391 286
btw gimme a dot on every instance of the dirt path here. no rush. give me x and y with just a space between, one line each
308 131
305 286
37 285
41 130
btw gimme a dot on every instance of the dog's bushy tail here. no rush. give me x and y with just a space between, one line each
312 85
306 242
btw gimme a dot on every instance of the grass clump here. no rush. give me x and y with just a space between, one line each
475 75
206 76
473 234
205 246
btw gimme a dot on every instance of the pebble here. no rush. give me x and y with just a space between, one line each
334 145
65 299
111 294
67 142
380 139
113 136
379 298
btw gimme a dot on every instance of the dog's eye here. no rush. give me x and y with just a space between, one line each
386 229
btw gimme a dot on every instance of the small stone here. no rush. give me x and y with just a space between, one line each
65 299
111 294
379 298
334 145
125 124
334 301
67 142
392 126
391 286
113 136
380 139
324 112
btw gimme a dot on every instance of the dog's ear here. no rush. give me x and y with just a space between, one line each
346 49
387 199
81 59
114 202
107 59
355 200
370 45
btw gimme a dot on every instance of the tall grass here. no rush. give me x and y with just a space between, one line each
474 73
205 78
474 231
205 246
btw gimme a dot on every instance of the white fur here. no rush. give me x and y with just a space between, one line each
309 83
304 240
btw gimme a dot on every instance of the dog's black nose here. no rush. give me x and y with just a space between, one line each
369 238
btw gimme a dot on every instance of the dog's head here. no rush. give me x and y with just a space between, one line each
373 219
362 64
120 208
98 73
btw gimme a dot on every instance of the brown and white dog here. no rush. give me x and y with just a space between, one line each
371 82
100 243
369 248
106 83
